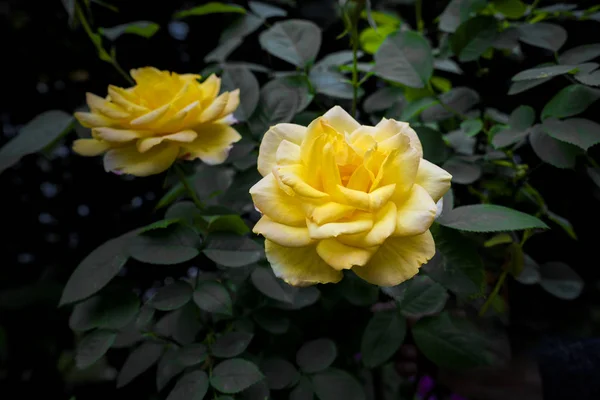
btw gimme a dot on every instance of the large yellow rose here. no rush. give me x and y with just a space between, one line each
337 195
142 130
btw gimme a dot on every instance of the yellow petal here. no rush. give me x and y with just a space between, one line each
399 168
270 143
341 120
288 153
232 103
416 214
285 235
300 266
125 99
360 179
151 117
92 120
147 75
329 212
340 256
384 226
105 107
294 177
330 173
90 147
146 144
273 202
361 223
397 260
388 128
212 144
210 89
362 140
215 109
368 201
118 135
435 180
129 160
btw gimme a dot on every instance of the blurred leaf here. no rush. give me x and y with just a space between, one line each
257 391
521 86
138 361
110 310
530 274
227 223
145 29
38 133
191 386
462 172
241 27
441 84
591 79
221 52
473 38
471 127
335 60
489 218
333 84
172 245
594 174
265 10
280 373
213 297
371 40
457 12
513 9
231 250
383 99
580 132
522 118
192 354
543 72
580 54
295 41
212 7
434 147
415 108
93 346
451 342
272 322
303 390
422 297
560 280
231 344
543 34
382 337
304 297
501 238
335 384
265 281
447 65
70 9
460 99
316 355
552 151
563 223
171 297
242 78
570 101
357 291
235 375
405 57
168 368
460 142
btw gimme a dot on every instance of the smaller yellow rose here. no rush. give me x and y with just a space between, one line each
337 195
142 130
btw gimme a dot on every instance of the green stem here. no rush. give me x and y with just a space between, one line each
186 185
419 16
355 84
121 71
494 293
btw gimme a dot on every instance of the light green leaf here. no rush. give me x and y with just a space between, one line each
172 245
543 72
171 297
280 373
473 38
241 78
213 297
560 280
265 10
145 29
513 9
422 297
371 40
316 355
295 41
235 375
580 54
405 57
580 132
231 250
501 238
382 337
489 218
138 361
265 281
212 7
335 384
552 151
543 34
38 133
231 344
191 386
93 346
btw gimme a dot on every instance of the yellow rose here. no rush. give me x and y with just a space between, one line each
337 195
142 130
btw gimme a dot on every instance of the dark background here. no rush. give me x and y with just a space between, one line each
58 207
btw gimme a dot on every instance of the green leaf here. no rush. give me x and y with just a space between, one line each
232 250
97 269
456 264
451 342
335 384
241 27
258 391
69 6
552 151
171 297
191 386
93 346
138 361
463 172
382 337
332 84
564 223
303 390
333 61
38 133
110 310
221 52
295 41
473 38
212 7
235 375
316 355
572 100
591 79
422 297
371 40
405 57
239 77
543 34
280 373
522 118
580 54
175 192
357 291
168 368
231 344
522 86
460 99
227 223
560 280
513 9
594 174
145 29
172 245
580 132
457 12
417 107
383 99
501 238
192 354
434 147
163 223
213 297
471 127
543 72
265 10
489 218
530 274
268 284
271 321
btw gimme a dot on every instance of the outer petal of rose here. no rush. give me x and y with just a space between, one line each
90 147
295 177
215 109
129 160
125 99
146 144
397 260
210 89
92 120
335 229
400 167
416 214
273 202
341 256
383 227
270 143
152 117
118 135
433 179
212 144
341 120
285 235
288 153
232 103
389 128
105 107
300 266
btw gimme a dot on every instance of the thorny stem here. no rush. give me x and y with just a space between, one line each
492 296
186 185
